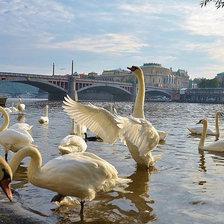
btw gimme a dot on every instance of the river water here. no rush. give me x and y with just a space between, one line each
186 185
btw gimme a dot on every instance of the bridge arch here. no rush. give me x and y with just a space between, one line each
156 92
104 92
54 91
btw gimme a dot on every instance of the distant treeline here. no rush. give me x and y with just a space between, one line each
209 83
14 89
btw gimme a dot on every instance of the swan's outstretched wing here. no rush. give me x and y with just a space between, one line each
140 133
98 120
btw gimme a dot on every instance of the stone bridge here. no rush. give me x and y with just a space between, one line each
58 86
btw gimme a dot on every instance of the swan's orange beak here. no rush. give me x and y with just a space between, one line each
6 187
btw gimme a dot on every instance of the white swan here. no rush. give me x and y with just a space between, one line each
197 130
217 146
12 139
13 109
8 110
44 119
23 126
80 174
72 143
140 136
5 178
21 106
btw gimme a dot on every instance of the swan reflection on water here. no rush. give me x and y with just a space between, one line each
130 204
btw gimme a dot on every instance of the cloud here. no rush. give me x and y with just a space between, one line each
206 22
112 43
18 17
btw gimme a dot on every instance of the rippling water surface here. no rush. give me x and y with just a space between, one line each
186 186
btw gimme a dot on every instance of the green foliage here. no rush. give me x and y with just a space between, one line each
218 3
209 83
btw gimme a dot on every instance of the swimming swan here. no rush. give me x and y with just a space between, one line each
217 146
5 178
21 106
197 130
44 119
140 136
81 174
72 143
23 126
13 109
11 138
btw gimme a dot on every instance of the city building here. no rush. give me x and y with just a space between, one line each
155 75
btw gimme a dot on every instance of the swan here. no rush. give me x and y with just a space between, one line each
13 109
21 106
8 110
23 126
197 130
72 142
139 134
11 138
81 174
44 119
5 178
217 146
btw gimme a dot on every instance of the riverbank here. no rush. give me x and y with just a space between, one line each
12 213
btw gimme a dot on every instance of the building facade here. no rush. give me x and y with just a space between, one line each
155 75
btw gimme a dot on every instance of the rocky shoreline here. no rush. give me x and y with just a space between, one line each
14 214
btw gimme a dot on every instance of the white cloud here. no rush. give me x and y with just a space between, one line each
112 43
21 16
204 21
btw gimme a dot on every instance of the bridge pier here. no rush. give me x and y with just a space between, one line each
71 87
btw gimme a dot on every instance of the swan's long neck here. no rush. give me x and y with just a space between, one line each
140 98
46 111
79 130
203 136
217 124
6 122
72 132
35 162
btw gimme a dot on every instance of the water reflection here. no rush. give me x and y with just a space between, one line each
202 161
21 118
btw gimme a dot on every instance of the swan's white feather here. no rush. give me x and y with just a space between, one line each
72 143
100 119
197 130
23 126
12 139
139 132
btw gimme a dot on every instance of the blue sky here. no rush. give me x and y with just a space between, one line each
103 34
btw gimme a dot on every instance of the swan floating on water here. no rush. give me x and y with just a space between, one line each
80 174
197 130
5 178
139 134
12 138
217 146
21 106
21 125
44 119
72 143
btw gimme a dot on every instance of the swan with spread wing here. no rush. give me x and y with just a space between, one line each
139 134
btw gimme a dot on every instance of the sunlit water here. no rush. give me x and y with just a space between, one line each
186 186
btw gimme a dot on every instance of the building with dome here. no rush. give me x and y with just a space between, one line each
155 76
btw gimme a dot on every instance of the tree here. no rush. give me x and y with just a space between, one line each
209 83
218 3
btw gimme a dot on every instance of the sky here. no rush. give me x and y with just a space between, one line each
110 34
